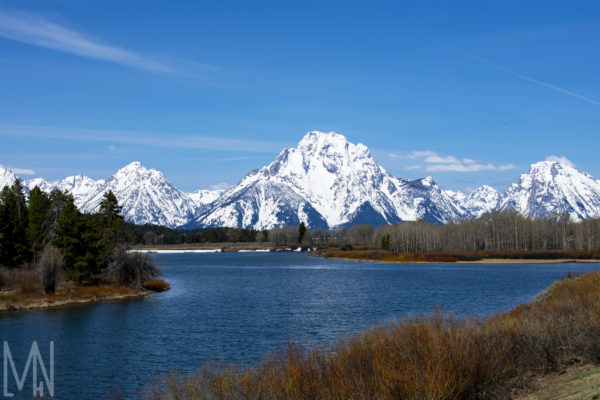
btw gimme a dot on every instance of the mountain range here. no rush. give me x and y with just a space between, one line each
326 182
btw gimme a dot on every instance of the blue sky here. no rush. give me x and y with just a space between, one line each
467 92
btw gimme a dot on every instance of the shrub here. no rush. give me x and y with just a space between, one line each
132 268
51 263
156 285
1 280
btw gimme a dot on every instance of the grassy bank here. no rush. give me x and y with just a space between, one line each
22 289
436 357
15 300
460 256
577 383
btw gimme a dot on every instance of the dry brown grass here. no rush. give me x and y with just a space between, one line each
456 256
156 285
437 357
30 295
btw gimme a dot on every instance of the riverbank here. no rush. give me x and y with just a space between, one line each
225 247
541 349
575 383
506 257
13 300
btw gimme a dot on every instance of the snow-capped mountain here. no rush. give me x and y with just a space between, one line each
553 188
40 183
327 181
146 197
80 186
478 202
203 197
7 177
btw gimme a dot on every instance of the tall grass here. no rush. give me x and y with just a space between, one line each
437 357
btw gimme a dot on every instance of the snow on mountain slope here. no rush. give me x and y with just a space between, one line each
553 188
478 202
7 177
481 200
80 186
146 197
327 181
203 197
423 199
457 196
39 182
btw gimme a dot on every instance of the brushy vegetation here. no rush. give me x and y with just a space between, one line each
156 285
436 357
453 256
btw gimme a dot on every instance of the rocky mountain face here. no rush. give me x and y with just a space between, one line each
326 181
480 201
7 177
553 188
146 197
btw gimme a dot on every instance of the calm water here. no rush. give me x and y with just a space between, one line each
236 307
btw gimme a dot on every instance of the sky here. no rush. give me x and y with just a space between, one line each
469 92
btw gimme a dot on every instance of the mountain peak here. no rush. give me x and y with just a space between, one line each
7 176
316 136
326 181
554 187
133 166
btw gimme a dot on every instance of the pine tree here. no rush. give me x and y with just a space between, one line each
39 204
68 238
110 225
14 247
301 232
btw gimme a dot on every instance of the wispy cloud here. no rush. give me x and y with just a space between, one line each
23 171
220 186
535 81
560 159
37 31
151 139
435 162
508 71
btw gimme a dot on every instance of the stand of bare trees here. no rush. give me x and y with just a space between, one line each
495 231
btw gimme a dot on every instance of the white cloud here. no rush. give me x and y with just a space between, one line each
140 138
560 159
220 186
37 31
449 163
23 171
468 167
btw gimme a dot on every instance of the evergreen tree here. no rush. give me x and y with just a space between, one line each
301 232
57 202
68 233
39 204
110 224
14 246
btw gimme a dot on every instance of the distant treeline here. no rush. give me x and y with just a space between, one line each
495 231
158 235
86 240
